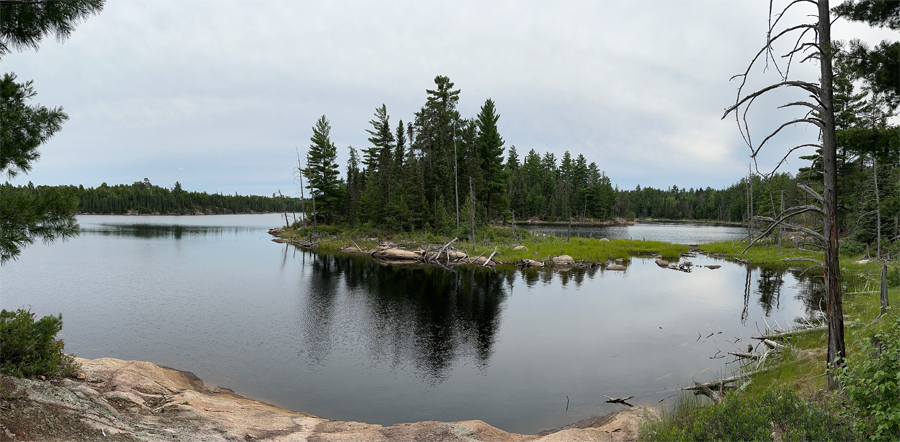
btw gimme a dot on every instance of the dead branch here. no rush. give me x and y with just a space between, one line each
618 400
490 257
811 192
814 261
815 121
706 391
805 85
745 355
442 249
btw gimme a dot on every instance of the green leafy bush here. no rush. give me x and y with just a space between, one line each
870 378
893 276
851 247
29 348
746 417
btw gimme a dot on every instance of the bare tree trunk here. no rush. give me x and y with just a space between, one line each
835 313
780 229
749 203
884 290
302 197
877 208
456 178
472 200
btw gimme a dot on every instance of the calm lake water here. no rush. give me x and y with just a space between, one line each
673 232
344 338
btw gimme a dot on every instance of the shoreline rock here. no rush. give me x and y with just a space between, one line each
142 401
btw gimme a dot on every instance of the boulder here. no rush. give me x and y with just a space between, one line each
563 260
604 239
662 263
520 248
617 267
713 266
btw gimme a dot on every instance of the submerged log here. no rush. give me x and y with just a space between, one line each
618 400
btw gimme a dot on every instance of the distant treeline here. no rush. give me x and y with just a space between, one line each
728 204
142 197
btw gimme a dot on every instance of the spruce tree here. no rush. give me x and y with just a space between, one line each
490 150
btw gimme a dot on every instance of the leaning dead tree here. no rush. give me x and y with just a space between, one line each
805 42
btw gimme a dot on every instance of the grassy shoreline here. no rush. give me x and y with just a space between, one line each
794 383
506 240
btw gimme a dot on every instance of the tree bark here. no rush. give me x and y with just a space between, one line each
884 290
835 311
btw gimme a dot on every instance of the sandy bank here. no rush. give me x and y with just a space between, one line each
141 401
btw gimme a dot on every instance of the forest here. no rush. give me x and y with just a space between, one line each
143 197
445 173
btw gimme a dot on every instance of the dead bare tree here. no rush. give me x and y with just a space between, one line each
811 41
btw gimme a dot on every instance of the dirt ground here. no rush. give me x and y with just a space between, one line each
120 400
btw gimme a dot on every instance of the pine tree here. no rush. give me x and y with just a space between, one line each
322 171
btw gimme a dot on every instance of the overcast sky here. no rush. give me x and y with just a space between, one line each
217 94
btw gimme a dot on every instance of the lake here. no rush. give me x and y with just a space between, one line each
678 232
345 338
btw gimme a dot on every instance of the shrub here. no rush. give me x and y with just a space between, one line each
870 378
745 417
893 276
29 348
852 248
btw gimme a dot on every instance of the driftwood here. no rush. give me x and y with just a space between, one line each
618 400
745 355
445 246
716 396
723 383
490 257
770 343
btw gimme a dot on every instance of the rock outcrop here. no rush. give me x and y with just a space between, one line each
141 401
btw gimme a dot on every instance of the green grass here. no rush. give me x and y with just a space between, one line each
749 417
762 254
538 247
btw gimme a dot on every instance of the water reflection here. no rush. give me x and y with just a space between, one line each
162 231
427 317
769 285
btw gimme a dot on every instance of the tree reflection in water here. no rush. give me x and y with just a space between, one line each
769 284
424 316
